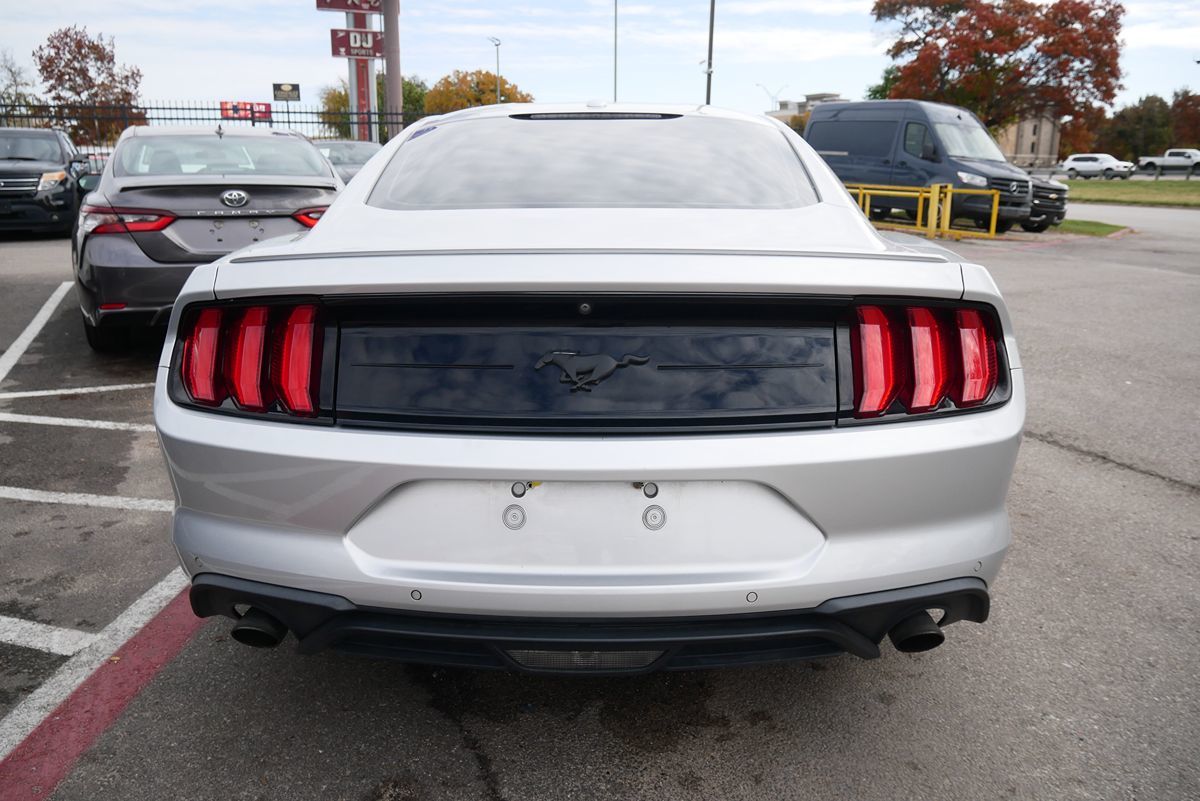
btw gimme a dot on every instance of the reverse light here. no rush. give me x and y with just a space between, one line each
309 217
105 220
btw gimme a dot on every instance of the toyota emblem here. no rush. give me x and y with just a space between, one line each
234 198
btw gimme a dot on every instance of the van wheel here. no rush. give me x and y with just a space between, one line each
880 213
106 340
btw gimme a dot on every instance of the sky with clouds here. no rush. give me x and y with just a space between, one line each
559 50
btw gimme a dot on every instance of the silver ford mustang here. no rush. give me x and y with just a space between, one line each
591 389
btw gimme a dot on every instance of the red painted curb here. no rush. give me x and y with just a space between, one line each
43 759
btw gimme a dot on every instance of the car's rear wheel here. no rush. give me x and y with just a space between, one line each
106 340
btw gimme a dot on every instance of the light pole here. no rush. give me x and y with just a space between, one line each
614 51
496 42
712 16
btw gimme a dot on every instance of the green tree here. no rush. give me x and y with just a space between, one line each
883 89
465 89
1141 129
335 105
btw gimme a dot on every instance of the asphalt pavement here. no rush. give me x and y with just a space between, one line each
1085 684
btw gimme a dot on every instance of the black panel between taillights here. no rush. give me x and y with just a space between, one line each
619 364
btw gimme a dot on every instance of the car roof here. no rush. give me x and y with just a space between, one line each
47 131
603 107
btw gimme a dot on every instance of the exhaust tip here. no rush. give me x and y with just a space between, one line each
916 633
258 630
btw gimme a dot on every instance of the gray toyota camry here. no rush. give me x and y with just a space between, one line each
170 199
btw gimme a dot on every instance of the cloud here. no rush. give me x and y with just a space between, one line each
807 7
1156 35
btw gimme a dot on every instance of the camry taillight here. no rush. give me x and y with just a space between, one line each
310 217
107 220
911 359
253 358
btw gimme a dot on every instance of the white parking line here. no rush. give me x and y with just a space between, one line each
27 715
49 393
26 337
42 637
84 499
73 422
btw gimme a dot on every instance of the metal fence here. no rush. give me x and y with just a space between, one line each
97 127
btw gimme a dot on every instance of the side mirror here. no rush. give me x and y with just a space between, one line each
929 150
89 182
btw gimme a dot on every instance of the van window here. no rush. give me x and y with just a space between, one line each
853 137
968 140
915 137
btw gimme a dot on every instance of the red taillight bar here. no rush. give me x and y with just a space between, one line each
921 355
264 358
110 220
200 355
310 217
292 361
876 376
244 363
978 374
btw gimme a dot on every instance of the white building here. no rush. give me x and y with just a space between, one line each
792 108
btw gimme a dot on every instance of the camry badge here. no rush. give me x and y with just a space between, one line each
584 371
234 198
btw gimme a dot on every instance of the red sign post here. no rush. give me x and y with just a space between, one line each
358 43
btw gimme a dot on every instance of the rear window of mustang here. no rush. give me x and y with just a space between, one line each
594 161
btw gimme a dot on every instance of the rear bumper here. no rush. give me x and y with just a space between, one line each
854 625
113 269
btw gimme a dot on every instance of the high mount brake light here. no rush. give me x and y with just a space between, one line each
917 356
263 358
107 220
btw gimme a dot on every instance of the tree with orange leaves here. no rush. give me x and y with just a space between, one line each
1007 59
465 89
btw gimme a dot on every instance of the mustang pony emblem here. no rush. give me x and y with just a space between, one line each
584 371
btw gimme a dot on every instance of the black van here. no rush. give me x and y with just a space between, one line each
917 143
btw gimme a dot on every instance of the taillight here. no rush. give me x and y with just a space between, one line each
930 363
292 361
876 379
264 359
920 355
200 355
309 217
978 374
244 365
105 220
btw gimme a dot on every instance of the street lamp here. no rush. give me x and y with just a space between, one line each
496 42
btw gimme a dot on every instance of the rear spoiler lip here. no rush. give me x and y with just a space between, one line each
822 254
172 182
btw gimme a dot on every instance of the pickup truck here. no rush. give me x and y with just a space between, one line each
1184 159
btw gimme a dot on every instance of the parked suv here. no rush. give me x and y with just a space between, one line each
916 143
1096 165
40 170
1049 206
